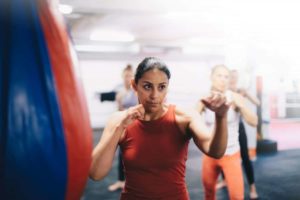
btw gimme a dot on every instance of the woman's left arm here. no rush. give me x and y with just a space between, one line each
211 143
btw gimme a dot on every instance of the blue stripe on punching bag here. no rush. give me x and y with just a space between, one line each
34 163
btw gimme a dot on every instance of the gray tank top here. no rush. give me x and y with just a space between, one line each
233 128
129 99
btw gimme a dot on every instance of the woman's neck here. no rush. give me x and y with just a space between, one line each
234 89
149 116
217 90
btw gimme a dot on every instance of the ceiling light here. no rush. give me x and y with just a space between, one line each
111 36
65 9
206 41
132 48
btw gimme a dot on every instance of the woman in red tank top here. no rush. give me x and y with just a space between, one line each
154 138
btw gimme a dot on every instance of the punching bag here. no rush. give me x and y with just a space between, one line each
45 133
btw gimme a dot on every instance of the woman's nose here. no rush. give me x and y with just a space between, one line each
154 94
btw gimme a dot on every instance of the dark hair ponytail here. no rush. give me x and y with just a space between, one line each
150 63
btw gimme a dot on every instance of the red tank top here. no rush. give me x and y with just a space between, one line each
154 157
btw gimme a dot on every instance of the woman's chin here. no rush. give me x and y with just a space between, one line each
152 108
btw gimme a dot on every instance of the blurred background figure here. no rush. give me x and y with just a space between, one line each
125 98
247 165
229 164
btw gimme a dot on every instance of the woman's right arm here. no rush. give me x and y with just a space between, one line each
252 99
249 116
103 153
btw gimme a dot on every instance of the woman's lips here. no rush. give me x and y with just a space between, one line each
152 103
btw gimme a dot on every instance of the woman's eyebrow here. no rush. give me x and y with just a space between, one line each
147 82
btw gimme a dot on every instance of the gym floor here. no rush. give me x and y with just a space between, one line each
277 175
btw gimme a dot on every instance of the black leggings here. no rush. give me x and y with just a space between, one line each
121 174
245 154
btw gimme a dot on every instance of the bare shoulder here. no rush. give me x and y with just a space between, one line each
179 110
182 119
184 115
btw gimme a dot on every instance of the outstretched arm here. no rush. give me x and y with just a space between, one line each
213 144
247 114
251 98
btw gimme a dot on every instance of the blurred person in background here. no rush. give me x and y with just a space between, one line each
230 163
248 167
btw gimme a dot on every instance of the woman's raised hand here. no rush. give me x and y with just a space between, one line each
133 113
217 102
